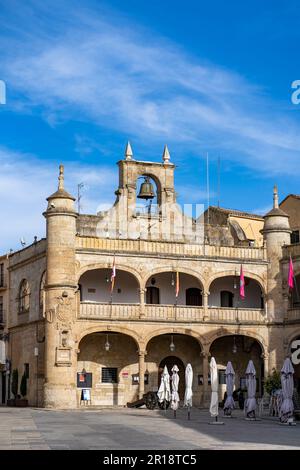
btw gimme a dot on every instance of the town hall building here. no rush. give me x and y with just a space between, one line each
106 300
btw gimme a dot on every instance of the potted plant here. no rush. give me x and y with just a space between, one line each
14 388
23 390
272 382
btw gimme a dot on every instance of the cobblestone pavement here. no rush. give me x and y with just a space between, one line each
29 428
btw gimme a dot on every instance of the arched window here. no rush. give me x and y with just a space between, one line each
42 290
80 292
193 296
24 297
152 295
226 298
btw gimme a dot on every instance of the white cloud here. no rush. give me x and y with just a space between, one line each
102 69
26 181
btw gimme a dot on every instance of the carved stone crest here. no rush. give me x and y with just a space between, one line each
64 310
49 315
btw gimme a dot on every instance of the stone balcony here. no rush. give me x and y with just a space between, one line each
291 250
180 249
170 313
293 314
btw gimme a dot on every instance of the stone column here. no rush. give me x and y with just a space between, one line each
205 357
286 303
142 303
265 357
142 355
205 306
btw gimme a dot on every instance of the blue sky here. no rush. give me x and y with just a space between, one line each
84 77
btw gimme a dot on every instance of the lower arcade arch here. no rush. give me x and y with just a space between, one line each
180 349
111 358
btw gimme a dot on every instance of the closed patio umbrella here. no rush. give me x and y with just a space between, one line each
174 394
250 402
164 392
214 401
229 402
287 385
188 395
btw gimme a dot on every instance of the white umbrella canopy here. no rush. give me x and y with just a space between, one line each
175 382
230 376
188 400
287 385
164 391
214 402
250 402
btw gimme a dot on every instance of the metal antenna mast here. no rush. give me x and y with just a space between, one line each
79 196
207 186
219 180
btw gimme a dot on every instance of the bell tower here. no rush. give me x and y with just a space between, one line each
167 221
130 170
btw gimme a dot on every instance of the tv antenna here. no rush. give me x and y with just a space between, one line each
79 196
219 180
207 185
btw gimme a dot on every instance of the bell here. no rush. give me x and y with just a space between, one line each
146 190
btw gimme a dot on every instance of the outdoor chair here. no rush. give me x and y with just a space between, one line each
275 403
264 404
296 402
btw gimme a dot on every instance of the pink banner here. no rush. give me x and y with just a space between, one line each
242 284
291 275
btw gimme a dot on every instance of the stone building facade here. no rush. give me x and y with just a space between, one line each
175 296
4 365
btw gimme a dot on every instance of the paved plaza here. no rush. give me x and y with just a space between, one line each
28 428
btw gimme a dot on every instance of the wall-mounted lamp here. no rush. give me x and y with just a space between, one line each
235 280
234 347
107 344
172 345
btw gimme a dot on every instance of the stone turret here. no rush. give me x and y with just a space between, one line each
60 308
276 227
276 233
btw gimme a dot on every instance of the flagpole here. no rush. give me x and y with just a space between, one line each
176 293
207 186
294 283
296 287
112 280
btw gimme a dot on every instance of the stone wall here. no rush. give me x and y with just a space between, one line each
23 341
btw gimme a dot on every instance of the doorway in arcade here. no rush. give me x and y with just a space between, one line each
170 349
170 361
238 349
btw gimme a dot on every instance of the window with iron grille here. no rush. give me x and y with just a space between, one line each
1 310
222 377
109 375
24 296
1 275
26 370
295 237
